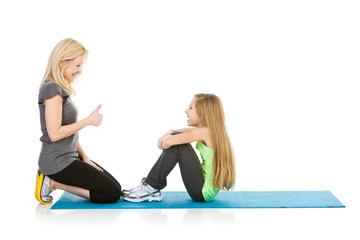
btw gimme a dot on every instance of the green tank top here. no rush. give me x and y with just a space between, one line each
207 154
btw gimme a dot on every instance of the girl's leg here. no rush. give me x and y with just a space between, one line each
190 169
84 180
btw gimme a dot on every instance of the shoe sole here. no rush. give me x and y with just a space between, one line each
137 200
39 183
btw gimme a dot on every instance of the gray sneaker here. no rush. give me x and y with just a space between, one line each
142 193
126 192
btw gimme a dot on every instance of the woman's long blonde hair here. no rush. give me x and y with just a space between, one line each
211 114
66 50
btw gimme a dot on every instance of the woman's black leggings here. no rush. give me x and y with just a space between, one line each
103 187
190 168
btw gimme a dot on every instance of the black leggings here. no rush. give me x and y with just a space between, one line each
190 168
103 187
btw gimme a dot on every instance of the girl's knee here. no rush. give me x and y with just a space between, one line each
182 147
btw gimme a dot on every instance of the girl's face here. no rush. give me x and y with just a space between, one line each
74 69
191 113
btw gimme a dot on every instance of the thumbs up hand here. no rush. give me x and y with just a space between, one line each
95 117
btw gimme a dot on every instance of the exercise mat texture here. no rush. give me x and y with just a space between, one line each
232 199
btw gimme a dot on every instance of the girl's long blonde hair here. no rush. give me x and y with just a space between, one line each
211 114
66 50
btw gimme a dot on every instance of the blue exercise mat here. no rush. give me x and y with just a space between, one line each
236 199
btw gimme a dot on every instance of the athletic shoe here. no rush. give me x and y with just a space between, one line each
143 193
42 189
126 192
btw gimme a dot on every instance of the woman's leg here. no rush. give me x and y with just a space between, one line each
108 174
190 169
84 180
75 190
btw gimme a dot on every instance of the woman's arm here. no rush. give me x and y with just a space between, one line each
53 118
188 136
82 154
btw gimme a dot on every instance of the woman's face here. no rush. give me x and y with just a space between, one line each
191 113
74 69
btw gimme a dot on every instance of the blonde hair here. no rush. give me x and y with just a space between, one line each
66 50
211 114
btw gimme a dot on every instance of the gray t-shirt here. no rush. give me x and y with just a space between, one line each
55 156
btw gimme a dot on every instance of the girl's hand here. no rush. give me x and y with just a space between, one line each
95 117
164 144
161 140
88 161
188 136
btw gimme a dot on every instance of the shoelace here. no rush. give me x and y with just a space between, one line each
132 190
138 188
135 191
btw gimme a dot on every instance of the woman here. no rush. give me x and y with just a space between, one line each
202 181
63 163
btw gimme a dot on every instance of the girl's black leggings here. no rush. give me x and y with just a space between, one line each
190 168
103 187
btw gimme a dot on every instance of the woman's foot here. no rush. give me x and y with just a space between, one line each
142 193
43 189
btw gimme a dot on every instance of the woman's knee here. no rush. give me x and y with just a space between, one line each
114 197
110 195
114 194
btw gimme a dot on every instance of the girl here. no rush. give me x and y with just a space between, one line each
63 163
202 181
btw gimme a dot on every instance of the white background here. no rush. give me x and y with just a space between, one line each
288 76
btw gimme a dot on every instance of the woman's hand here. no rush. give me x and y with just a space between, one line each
85 158
88 161
53 119
95 118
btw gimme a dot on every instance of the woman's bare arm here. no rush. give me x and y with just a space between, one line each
53 118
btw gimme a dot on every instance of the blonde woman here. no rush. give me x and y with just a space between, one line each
63 163
202 180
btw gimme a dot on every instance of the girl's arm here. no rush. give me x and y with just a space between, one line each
85 158
183 130
188 136
171 132
161 140
53 118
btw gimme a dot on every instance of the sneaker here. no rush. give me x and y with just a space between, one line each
143 193
126 192
42 188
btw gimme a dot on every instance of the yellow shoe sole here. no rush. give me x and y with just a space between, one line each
39 183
